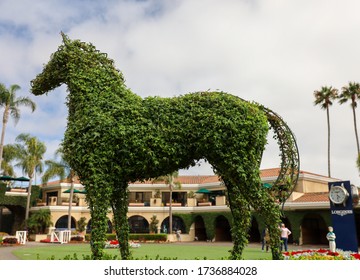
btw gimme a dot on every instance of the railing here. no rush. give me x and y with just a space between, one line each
61 236
21 236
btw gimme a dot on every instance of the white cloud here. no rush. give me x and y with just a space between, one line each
272 52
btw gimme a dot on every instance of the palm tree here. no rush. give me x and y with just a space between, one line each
11 106
63 170
351 92
29 153
324 98
169 180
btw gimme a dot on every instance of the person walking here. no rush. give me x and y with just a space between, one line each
266 240
284 236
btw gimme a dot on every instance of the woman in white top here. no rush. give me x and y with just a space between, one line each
284 235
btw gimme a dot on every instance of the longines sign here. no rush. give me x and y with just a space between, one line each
341 212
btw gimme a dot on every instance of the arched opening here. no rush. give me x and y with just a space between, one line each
88 227
177 223
138 224
7 219
200 231
254 234
222 229
313 229
62 222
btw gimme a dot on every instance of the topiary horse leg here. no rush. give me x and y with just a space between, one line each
119 206
241 220
266 207
99 207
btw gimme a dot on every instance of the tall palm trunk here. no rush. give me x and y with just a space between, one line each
28 201
170 209
5 120
70 202
328 124
356 132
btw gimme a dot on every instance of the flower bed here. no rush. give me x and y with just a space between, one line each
321 254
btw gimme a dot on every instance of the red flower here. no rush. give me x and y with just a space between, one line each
356 256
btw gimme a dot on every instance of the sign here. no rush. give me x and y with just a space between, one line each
343 220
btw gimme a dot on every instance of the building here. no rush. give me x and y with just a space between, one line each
199 208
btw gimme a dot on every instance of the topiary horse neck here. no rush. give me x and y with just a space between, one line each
114 137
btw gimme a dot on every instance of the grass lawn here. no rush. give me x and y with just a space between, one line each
186 251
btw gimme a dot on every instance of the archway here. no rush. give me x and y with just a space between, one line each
200 231
88 227
313 229
177 223
138 224
254 234
6 219
222 229
62 222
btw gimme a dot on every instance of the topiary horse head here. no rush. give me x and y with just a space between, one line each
114 137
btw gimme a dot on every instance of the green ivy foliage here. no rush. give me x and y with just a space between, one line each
7 200
115 137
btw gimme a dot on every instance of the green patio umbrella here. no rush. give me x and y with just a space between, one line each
6 178
203 191
22 179
75 191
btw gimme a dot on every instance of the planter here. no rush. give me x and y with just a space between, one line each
191 202
155 202
220 200
37 237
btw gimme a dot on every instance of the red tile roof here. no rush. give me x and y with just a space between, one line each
313 197
201 179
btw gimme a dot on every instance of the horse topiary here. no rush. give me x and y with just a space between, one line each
114 137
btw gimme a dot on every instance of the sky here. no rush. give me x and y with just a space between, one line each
276 53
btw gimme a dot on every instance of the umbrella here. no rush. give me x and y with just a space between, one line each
267 185
203 191
75 191
6 178
21 179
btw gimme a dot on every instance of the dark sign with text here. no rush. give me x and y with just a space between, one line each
342 215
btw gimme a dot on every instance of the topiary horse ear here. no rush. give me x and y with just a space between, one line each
65 38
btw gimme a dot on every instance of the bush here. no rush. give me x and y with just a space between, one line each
77 238
10 240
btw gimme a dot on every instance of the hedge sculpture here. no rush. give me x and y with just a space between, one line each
114 137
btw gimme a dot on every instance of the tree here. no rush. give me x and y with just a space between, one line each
29 153
63 170
39 221
169 180
11 106
324 98
351 93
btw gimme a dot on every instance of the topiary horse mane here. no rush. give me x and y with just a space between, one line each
115 137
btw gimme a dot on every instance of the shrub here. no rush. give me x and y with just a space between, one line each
10 240
77 238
